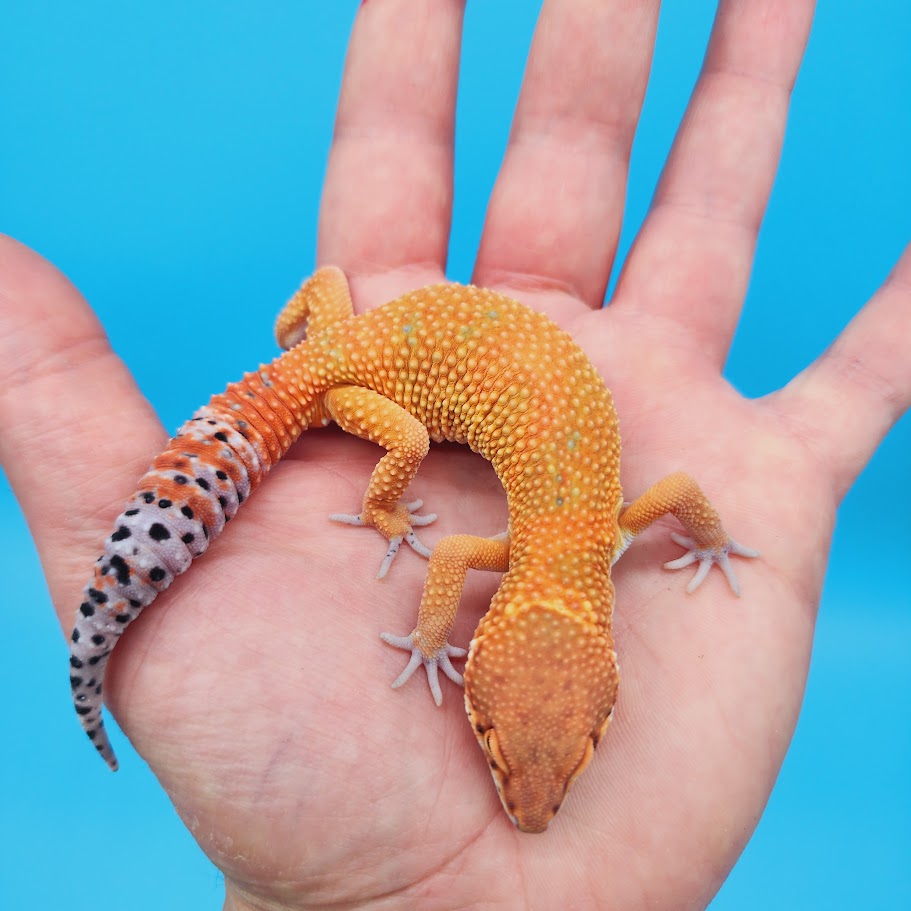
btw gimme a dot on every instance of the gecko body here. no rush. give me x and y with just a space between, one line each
447 362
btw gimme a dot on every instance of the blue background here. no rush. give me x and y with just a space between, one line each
169 157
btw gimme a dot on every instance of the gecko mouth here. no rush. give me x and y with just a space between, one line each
537 814
536 823
539 795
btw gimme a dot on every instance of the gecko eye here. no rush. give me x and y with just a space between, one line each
583 762
596 739
492 745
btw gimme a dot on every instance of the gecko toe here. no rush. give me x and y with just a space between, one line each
366 520
707 557
394 545
411 539
439 660
348 519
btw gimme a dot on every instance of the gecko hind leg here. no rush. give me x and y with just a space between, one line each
321 301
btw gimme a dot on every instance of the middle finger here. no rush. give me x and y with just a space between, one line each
555 214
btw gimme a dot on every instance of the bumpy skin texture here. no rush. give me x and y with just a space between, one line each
447 362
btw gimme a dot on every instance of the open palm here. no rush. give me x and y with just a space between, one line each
256 686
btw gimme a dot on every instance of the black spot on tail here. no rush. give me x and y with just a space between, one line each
121 567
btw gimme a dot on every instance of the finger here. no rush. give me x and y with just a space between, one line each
555 213
76 430
844 403
387 198
691 262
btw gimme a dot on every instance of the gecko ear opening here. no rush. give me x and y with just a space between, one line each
583 762
596 738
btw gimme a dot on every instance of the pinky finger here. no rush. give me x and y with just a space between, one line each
847 400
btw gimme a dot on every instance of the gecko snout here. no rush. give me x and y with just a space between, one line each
534 791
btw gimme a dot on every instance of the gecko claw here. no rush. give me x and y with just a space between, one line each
439 660
707 557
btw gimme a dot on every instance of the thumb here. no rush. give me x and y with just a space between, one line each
76 431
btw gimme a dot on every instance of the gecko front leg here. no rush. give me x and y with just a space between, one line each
708 543
429 641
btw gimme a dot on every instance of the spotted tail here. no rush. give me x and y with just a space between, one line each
182 503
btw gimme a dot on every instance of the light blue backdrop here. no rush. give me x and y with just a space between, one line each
168 157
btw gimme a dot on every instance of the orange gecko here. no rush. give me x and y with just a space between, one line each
446 362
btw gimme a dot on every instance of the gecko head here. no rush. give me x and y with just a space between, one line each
540 686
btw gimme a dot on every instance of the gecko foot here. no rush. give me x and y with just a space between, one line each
395 541
707 557
439 659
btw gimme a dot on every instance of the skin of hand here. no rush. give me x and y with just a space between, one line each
257 687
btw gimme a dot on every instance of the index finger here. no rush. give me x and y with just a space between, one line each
555 214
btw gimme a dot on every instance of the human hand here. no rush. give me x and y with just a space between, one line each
293 758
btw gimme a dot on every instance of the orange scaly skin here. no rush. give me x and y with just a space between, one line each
445 362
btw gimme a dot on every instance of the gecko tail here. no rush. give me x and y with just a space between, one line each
87 666
182 503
